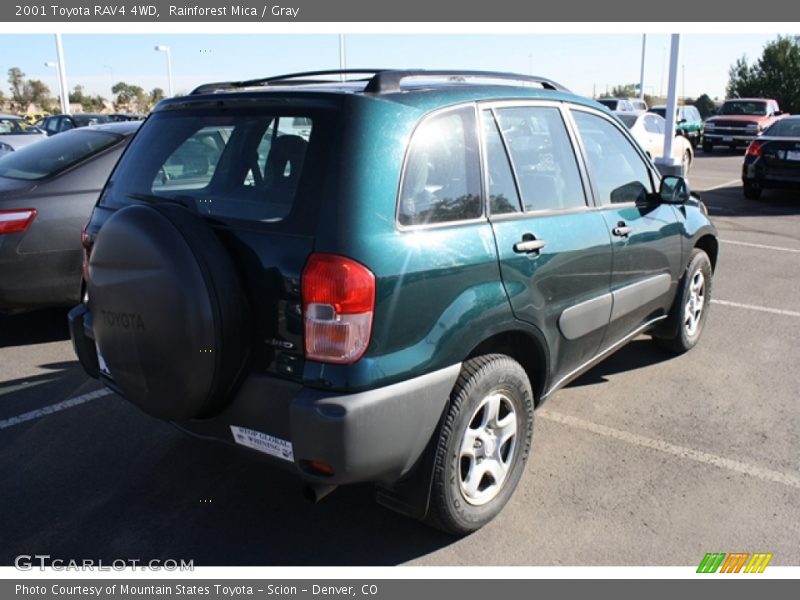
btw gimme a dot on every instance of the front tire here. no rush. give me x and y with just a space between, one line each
684 326
483 444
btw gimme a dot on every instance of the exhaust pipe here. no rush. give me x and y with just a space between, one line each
316 492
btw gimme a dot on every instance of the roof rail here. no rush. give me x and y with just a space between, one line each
379 81
304 78
389 81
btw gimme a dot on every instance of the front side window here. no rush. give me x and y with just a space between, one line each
543 157
441 177
619 173
653 124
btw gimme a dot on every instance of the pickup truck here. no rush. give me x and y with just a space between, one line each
739 121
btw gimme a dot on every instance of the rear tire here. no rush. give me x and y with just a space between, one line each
752 190
683 327
483 444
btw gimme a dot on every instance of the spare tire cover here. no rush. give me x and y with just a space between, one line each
169 312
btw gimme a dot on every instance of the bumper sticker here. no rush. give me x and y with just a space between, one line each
263 442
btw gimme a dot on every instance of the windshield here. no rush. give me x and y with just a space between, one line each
242 164
661 112
743 107
629 120
16 127
55 154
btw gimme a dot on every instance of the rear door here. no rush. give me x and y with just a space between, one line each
554 248
256 180
646 239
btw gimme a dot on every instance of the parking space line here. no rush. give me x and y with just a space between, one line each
53 408
721 185
762 473
762 246
774 311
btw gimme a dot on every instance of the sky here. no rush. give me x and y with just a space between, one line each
586 63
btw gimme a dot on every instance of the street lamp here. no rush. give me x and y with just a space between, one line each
165 49
61 91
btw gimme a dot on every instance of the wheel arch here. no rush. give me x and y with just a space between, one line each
527 347
709 244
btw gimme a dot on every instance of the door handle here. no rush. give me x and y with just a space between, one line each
621 230
529 244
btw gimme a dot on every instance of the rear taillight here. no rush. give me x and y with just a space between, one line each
16 221
338 304
754 149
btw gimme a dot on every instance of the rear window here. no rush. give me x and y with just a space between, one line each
16 127
53 155
744 107
628 120
784 128
239 165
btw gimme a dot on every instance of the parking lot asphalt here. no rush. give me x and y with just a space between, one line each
648 459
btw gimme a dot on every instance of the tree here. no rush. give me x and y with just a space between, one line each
156 95
130 97
88 103
705 105
25 92
775 75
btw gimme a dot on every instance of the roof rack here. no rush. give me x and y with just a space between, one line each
389 81
379 81
304 78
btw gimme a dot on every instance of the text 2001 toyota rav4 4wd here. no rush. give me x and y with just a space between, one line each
379 279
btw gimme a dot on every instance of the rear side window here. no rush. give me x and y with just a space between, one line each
53 155
239 165
441 178
543 157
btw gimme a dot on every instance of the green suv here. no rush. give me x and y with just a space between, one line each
378 278
688 122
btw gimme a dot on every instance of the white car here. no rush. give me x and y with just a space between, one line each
648 129
16 132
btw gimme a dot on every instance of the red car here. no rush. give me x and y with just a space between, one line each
739 121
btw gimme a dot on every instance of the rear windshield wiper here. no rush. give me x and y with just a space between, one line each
184 201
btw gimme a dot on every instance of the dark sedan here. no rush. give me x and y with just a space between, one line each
47 191
773 159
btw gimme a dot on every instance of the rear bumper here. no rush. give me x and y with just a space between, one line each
376 435
766 178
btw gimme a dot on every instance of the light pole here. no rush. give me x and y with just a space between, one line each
165 49
61 94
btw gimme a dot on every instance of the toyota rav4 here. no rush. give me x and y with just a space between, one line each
379 279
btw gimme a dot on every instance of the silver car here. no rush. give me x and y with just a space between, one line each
16 132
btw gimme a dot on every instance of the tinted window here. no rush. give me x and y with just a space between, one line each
618 171
503 197
628 120
52 155
661 112
240 165
784 128
441 181
543 158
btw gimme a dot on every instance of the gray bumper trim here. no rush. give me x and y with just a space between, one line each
376 435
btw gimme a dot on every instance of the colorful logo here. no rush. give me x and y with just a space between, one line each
734 563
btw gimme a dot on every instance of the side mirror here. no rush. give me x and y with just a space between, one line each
673 190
